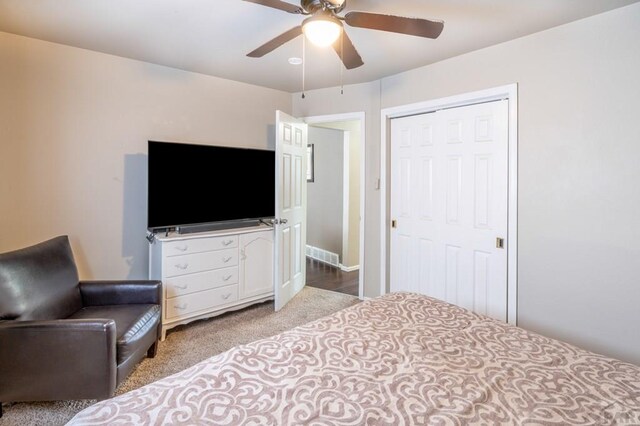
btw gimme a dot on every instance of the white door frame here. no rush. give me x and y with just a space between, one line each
509 92
346 154
352 116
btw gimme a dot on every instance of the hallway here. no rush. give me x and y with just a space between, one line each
327 277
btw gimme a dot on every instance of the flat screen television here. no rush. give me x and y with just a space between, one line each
201 184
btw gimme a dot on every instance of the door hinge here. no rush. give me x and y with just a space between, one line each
394 223
500 243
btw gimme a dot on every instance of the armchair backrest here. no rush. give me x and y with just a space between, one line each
39 282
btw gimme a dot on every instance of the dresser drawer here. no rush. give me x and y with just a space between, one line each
186 284
201 301
190 263
198 245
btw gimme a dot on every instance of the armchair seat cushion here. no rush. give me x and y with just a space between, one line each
133 324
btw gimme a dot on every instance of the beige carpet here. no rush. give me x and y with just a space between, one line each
190 344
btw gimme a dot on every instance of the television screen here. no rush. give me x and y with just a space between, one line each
195 184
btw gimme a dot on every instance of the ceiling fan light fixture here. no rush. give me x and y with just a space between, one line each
322 29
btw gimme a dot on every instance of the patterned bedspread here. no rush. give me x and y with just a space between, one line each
396 360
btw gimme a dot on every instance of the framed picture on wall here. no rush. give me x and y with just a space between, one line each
310 174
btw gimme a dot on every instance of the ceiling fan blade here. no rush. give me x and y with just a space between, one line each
276 42
350 57
277 4
395 24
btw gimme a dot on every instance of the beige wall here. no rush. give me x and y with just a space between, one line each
74 128
579 170
325 193
352 255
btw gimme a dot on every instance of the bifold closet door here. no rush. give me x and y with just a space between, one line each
449 183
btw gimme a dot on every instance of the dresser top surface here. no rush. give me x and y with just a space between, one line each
173 236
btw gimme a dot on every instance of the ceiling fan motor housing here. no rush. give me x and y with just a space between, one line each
312 6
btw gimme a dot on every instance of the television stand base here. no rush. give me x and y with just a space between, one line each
206 227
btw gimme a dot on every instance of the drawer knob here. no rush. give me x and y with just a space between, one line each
226 296
181 287
227 278
181 307
182 248
226 259
182 266
226 242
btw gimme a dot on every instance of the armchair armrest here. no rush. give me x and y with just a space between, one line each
99 293
57 359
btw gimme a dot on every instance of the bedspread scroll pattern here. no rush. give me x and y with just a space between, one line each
396 360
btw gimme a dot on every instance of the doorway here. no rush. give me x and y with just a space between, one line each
335 203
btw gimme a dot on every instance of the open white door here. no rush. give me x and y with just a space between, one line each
291 208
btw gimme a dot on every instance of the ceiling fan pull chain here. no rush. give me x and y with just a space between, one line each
304 63
342 62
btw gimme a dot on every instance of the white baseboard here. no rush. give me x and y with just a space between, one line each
349 268
323 255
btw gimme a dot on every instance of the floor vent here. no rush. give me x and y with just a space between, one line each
323 255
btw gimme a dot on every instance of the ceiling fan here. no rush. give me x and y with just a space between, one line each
324 27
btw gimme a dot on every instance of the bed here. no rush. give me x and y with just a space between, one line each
399 359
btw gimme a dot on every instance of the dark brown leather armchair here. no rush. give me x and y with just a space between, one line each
61 338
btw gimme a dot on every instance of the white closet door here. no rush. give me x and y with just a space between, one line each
449 175
291 208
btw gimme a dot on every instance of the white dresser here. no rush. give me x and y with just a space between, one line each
207 274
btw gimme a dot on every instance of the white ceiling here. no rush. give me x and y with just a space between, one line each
213 36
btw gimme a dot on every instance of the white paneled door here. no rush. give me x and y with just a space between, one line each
291 208
449 182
